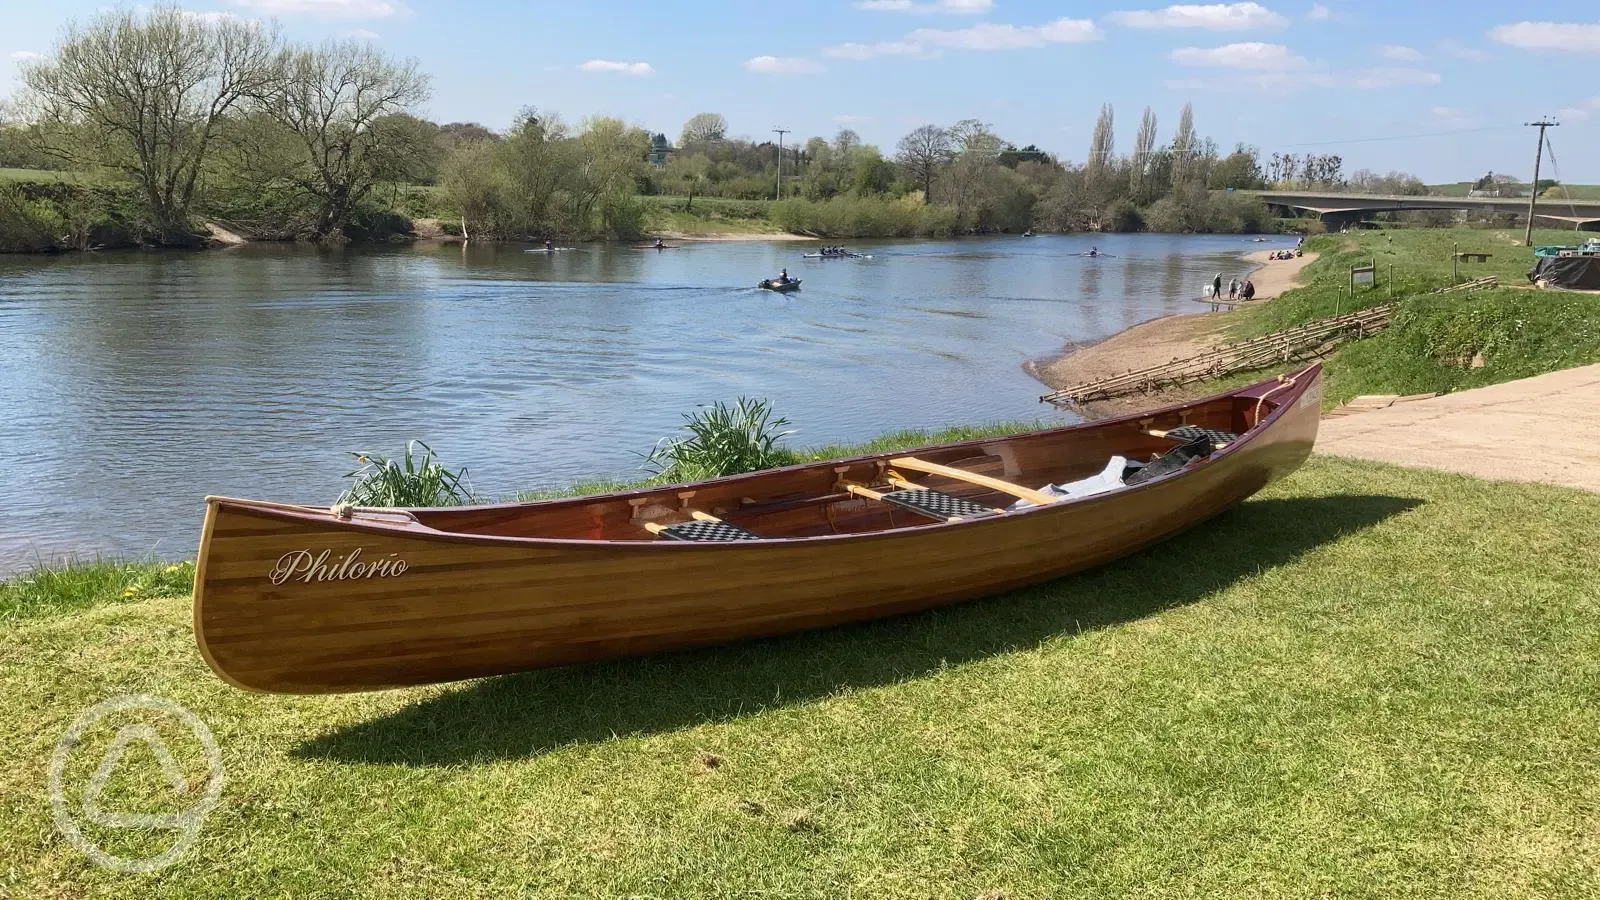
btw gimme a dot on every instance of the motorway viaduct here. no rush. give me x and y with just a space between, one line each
1341 209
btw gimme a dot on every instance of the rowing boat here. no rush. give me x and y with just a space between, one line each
548 249
782 287
836 255
306 600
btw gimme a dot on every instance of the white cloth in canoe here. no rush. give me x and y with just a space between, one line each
1109 479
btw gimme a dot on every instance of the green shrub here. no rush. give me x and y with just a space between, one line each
413 480
843 217
723 440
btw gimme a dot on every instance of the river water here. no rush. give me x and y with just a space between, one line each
134 384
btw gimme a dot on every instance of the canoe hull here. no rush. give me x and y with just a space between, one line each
291 600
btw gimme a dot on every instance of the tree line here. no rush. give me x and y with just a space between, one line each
222 118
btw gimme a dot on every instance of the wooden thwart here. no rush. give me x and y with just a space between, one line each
993 484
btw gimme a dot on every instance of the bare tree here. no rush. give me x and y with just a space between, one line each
703 128
1143 148
1184 147
923 153
143 93
344 102
1103 145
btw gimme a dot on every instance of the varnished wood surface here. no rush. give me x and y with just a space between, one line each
489 590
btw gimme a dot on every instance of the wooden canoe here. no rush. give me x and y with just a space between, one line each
300 599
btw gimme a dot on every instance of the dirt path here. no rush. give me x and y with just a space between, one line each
1537 429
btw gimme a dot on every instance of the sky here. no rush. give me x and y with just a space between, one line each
1439 90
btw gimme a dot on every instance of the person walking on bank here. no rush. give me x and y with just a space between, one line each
1216 286
1233 289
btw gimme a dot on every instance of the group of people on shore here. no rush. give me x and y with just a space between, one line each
1237 290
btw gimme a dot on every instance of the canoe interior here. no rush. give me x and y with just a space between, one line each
812 500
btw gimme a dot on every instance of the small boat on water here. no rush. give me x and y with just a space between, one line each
548 249
1027 234
843 255
309 600
782 287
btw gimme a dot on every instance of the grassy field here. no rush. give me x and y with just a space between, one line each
1439 343
710 215
46 175
1462 188
1367 682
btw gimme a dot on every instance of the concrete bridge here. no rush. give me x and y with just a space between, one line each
1338 210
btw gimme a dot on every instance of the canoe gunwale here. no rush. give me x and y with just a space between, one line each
1285 401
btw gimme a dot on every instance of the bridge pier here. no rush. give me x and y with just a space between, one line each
1335 221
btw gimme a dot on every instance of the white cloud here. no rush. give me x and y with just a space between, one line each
1250 55
25 55
1567 37
1376 79
1213 16
927 43
1319 13
989 36
640 69
363 34
1361 79
1581 111
329 9
1452 47
880 48
1400 53
950 7
784 65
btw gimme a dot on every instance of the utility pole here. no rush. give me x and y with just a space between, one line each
1533 195
781 132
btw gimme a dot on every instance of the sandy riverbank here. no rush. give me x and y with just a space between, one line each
1162 341
1274 276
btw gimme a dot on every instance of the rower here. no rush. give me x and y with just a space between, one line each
549 244
783 277
659 244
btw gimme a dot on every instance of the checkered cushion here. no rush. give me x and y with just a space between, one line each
1188 433
1173 461
706 531
937 505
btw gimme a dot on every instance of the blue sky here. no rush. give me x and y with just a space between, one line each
1440 90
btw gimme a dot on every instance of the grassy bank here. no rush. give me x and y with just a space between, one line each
1441 342
1367 682
707 215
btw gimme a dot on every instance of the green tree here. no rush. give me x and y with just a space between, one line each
346 104
145 94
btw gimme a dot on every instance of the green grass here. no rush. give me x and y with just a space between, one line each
1436 340
1367 682
710 215
1462 188
48 176
62 587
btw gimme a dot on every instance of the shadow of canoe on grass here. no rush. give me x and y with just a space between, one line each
518 716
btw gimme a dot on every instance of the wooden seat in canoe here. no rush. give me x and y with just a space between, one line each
993 484
703 527
1187 433
930 503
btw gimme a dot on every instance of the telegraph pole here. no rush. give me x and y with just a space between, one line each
781 132
1533 195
